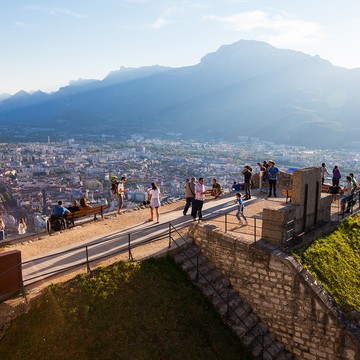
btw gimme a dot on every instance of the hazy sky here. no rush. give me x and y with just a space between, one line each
46 43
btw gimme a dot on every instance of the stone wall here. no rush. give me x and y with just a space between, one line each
284 295
309 209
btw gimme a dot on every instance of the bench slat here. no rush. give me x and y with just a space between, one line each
82 213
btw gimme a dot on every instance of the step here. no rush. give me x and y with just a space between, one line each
236 314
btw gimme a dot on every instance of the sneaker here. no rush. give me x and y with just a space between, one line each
184 213
275 196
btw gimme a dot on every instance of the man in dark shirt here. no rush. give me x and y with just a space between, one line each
74 206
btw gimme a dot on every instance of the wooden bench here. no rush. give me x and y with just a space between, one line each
96 210
287 193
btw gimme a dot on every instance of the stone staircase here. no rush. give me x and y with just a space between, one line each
235 312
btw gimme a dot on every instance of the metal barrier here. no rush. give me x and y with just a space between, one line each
255 226
85 258
265 353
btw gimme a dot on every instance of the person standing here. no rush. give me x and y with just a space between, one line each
354 182
121 193
266 166
273 171
22 227
200 193
2 229
348 194
240 209
189 194
154 196
247 173
336 176
324 171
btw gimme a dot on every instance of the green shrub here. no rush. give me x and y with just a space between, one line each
334 260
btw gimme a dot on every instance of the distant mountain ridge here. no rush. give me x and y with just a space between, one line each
246 88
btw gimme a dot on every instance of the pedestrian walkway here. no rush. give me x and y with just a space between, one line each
116 242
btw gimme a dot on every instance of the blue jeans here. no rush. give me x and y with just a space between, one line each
239 214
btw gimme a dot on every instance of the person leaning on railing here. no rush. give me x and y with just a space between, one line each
348 192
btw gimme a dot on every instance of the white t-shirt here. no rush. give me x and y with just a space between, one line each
121 189
155 198
21 229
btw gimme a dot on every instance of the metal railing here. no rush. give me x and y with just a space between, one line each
264 335
255 227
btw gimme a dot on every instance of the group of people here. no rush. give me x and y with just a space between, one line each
352 184
270 173
60 210
153 193
195 193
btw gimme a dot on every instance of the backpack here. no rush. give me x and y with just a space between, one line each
114 185
114 189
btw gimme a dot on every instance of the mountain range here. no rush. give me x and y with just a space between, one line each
248 88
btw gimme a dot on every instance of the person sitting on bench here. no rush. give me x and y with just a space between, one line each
74 206
84 205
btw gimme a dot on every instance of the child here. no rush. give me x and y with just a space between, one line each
240 209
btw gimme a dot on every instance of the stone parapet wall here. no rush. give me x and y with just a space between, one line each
308 210
285 296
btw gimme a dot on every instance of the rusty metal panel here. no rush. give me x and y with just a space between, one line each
10 273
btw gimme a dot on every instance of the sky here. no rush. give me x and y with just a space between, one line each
46 43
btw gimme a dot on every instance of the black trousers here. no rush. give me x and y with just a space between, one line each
272 187
196 209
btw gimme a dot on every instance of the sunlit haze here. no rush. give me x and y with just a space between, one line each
45 44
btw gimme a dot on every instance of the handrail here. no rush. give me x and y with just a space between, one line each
226 301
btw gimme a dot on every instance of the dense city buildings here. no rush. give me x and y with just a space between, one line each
34 176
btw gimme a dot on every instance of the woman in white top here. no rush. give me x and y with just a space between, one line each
154 196
2 229
22 227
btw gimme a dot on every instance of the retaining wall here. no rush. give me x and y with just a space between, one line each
283 294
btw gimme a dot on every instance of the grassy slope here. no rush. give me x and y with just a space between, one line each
335 261
127 311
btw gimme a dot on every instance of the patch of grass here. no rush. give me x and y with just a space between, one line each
334 260
148 310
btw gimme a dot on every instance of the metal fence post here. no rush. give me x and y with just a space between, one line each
228 305
255 230
129 248
169 235
197 268
87 260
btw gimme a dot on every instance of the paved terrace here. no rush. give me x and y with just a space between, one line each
114 230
